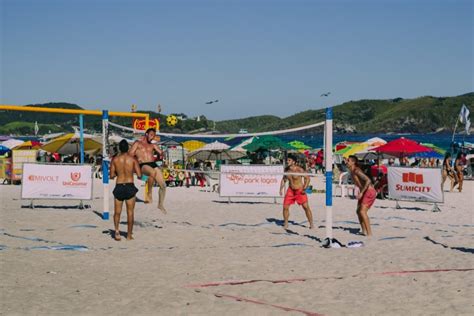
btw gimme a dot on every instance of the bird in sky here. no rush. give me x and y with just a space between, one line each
210 102
326 94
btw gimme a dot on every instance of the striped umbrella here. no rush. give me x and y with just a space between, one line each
70 144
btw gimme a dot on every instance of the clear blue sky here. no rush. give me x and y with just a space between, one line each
256 57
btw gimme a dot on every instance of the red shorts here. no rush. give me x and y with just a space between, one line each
369 197
299 196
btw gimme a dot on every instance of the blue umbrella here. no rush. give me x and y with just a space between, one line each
4 150
428 154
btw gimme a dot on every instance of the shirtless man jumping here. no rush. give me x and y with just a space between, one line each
143 150
123 166
296 191
367 195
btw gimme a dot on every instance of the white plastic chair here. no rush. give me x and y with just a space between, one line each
345 184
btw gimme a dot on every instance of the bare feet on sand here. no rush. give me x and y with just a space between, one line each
117 235
162 209
130 237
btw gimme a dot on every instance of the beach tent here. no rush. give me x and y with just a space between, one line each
70 144
216 151
401 147
192 145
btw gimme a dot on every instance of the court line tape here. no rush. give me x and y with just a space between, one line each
248 300
241 282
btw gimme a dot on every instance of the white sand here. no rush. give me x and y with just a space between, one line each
203 239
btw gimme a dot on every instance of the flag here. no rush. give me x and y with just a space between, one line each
36 128
464 118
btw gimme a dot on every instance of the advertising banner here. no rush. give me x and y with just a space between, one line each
56 181
415 184
236 181
19 157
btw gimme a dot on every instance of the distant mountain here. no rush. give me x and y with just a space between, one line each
420 115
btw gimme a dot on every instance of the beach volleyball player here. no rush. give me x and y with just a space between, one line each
296 191
367 194
143 149
123 166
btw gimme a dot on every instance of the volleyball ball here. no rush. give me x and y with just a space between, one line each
171 120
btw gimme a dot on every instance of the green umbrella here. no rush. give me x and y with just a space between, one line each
435 148
267 142
298 145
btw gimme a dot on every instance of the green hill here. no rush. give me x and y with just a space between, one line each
420 115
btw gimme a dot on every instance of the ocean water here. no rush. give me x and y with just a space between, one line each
316 140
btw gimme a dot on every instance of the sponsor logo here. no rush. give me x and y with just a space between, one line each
412 177
412 183
139 124
42 178
75 176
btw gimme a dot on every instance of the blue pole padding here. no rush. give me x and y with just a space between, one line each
105 171
81 127
328 188
329 113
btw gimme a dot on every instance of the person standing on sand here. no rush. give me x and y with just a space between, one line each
143 149
123 166
295 192
459 167
367 194
448 172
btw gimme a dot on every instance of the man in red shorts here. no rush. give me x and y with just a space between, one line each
296 191
367 195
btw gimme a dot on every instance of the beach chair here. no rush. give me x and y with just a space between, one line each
345 185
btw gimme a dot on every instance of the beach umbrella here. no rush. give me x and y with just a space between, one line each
428 154
12 143
4 150
401 147
240 147
70 144
267 142
30 144
298 145
192 145
434 148
216 151
375 142
354 149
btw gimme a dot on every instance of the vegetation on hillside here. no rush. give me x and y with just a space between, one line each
420 115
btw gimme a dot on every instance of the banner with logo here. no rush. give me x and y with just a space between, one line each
56 181
236 181
139 124
415 184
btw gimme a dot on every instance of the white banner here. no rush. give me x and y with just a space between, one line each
415 184
56 181
236 180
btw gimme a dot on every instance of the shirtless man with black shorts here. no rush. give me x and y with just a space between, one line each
367 194
143 149
123 166
296 191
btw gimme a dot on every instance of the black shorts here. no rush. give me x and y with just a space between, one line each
151 164
125 191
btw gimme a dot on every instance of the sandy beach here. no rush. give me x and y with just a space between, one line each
210 257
